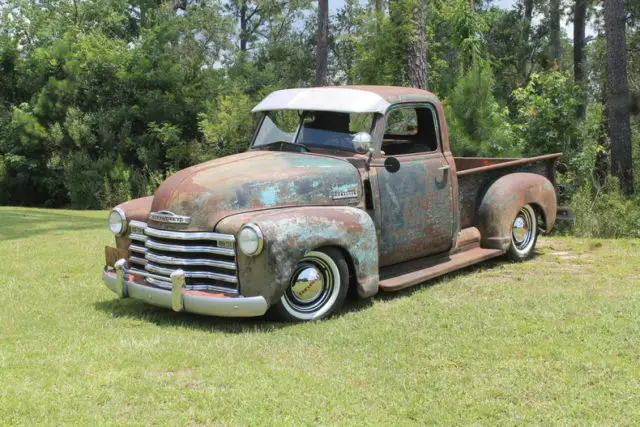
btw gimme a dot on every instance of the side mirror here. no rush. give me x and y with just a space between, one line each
391 164
361 142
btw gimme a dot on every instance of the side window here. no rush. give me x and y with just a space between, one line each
402 122
410 130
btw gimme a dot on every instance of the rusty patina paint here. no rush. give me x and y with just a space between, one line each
255 181
416 209
398 95
474 185
505 198
432 216
290 233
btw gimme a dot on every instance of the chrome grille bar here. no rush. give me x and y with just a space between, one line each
154 254
136 248
145 274
176 235
137 224
137 260
152 244
193 274
159 283
189 261
138 237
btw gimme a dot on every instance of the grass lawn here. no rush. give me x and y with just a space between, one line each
552 340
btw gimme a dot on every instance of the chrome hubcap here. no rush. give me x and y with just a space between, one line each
521 230
311 285
307 285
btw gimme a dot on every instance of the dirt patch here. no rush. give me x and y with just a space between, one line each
564 255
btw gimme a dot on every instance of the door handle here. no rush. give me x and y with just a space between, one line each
444 168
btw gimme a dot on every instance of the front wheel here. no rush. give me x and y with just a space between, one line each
317 288
524 233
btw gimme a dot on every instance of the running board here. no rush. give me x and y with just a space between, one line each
411 273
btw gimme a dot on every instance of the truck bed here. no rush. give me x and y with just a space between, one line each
476 174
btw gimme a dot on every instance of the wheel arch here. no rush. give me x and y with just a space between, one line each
505 197
290 233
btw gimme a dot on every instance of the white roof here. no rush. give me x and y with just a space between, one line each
324 99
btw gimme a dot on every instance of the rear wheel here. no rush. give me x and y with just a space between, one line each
524 233
317 288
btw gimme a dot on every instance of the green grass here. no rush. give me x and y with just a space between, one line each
552 340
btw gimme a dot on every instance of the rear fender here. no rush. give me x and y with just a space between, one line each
290 233
505 198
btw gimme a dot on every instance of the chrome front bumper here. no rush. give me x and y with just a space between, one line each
179 298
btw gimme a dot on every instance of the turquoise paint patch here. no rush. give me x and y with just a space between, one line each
344 188
268 196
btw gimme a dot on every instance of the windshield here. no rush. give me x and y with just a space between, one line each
324 129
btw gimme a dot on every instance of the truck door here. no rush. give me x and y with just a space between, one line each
416 199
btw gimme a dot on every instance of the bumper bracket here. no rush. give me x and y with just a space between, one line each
123 284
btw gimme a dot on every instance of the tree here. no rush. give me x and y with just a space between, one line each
417 57
409 17
526 35
579 43
554 31
323 42
618 95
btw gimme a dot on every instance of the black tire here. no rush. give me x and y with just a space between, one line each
317 288
524 234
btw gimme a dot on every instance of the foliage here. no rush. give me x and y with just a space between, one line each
102 99
227 124
602 211
546 114
478 126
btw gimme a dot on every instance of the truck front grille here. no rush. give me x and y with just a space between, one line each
207 259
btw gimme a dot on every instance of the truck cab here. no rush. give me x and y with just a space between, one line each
341 187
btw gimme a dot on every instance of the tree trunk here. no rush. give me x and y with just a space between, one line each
323 42
416 61
524 54
618 94
243 26
528 16
554 32
379 4
579 42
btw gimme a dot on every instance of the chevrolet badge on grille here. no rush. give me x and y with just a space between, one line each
169 217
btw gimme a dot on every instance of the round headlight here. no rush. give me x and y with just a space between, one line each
250 239
117 222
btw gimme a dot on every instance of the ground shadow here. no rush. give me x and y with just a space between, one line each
166 318
360 304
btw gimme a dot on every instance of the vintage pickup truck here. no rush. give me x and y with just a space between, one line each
341 187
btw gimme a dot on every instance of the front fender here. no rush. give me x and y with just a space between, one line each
290 233
505 198
136 209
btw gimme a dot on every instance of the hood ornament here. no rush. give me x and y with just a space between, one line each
169 217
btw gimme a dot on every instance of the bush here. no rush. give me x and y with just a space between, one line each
605 212
546 114
117 185
84 180
227 124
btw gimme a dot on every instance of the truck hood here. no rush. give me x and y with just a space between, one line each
253 181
